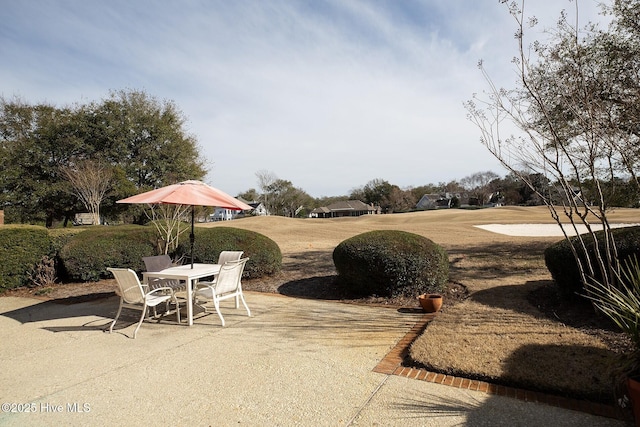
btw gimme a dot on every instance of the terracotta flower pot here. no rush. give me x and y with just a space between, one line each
430 303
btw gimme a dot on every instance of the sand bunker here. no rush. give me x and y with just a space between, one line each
541 230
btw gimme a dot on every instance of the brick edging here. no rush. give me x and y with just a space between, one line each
391 364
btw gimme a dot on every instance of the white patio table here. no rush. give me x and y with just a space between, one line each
189 275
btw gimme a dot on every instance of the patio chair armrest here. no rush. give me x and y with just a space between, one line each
162 289
201 285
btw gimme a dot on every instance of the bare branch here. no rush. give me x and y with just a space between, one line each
90 181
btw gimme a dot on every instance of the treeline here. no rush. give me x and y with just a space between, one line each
281 197
139 142
130 142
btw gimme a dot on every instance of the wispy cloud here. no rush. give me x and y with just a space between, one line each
327 94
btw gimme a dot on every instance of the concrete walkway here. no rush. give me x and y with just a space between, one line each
295 362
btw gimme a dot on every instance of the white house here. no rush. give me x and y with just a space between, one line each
222 214
258 209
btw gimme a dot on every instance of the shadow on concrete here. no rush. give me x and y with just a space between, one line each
317 287
435 406
64 308
94 325
101 305
431 408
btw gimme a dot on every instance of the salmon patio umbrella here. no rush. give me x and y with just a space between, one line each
193 193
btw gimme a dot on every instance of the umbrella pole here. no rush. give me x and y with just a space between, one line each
192 236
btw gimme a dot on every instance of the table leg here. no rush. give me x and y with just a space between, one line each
189 303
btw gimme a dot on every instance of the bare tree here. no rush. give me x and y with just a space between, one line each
287 200
401 200
571 112
90 180
170 222
266 179
478 184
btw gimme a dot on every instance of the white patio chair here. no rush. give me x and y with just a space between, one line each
158 263
228 285
178 288
137 296
223 258
226 256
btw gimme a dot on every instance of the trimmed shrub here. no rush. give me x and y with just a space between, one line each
391 263
59 238
88 254
264 254
564 269
21 249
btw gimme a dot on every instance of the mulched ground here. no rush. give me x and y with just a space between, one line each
67 293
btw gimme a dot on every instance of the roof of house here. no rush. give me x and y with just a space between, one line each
321 209
432 196
350 205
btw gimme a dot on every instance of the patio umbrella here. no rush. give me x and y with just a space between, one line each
193 193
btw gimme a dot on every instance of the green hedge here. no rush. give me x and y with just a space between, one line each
264 254
83 254
563 267
88 254
59 238
391 263
21 248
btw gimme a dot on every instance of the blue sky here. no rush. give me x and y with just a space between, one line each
326 94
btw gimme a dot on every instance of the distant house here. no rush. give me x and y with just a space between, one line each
258 209
222 214
321 212
434 201
496 199
344 208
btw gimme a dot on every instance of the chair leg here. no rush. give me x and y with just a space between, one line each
177 308
245 305
144 312
117 315
216 304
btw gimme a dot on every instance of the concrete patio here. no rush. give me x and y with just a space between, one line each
295 362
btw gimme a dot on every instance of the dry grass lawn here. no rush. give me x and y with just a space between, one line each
509 330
